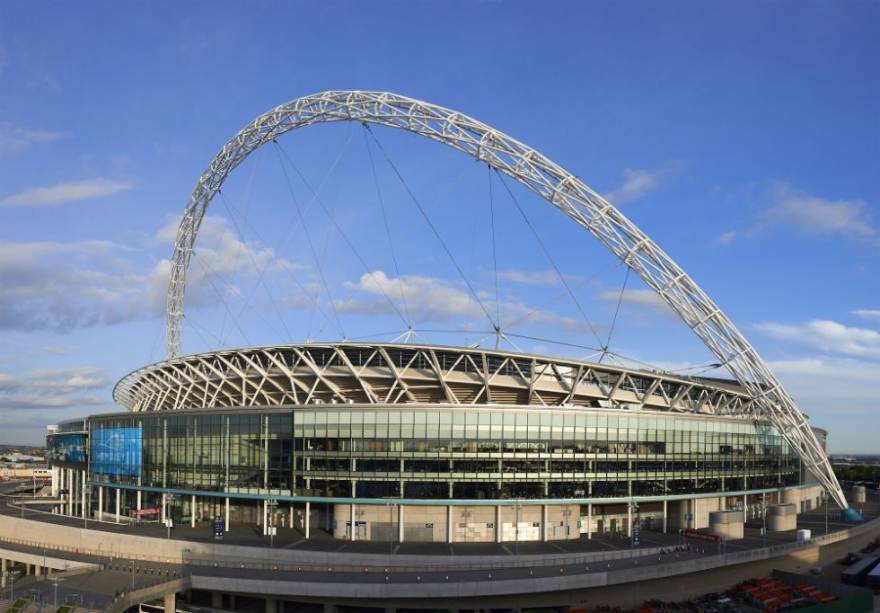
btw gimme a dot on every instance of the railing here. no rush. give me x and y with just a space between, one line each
107 558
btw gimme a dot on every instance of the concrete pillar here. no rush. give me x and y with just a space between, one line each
192 512
400 523
140 500
71 490
745 507
82 491
351 535
164 505
101 503
118 493
498 524
665 506
271 605
629 520
589 521
55 485
170 602
264 514
226 522
307 522
216 600
449 523
2 572
544 527
291 514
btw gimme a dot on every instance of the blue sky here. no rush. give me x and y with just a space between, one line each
743 137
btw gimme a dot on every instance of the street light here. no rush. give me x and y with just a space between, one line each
169 522
635 528
391 508
516 504
271 529
11 576
824 496
55 579
763 510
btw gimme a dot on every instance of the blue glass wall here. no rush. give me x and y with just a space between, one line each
116 451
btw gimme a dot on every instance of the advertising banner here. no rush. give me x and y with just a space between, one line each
66 448
116 451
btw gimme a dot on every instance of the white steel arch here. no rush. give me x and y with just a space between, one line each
550 181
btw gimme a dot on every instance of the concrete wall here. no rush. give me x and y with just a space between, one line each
476 524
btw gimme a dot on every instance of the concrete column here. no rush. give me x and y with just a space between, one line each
55 482
291 515
71 490
498 524
118 493
140 500
101 503
307 522
400 523
589 521
745 507
2 572
629 520
216 600
164 505
544 527
449 523
226 522
271 605
82 490
170 602
192 512
351 519
265 513
664 516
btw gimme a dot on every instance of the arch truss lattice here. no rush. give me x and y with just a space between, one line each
550 181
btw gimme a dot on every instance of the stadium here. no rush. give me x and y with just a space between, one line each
467 445
401 475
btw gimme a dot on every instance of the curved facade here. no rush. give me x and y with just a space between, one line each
425 443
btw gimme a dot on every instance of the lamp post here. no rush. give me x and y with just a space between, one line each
11 577
824 496
764 519
271 504
516 504
391 508
635 528
55 581
169 522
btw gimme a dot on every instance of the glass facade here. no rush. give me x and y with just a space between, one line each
432 452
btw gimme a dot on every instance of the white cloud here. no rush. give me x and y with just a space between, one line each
815 215
17 138
429 299
52 389
867 313
426 298
828 336
63 193
644 298
63 286
529 277
636 183
725 238
826 387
